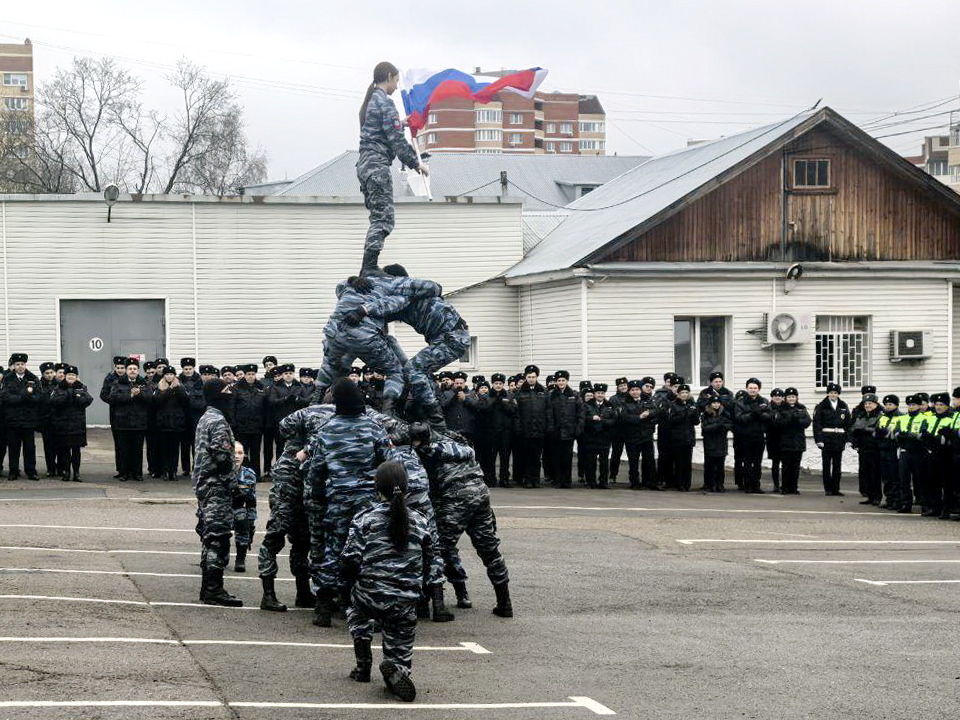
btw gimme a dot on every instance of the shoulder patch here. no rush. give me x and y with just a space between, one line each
396 124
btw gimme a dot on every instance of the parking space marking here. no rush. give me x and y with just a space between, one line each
852 562
34 548
128 574
838 541
736 511
142 603
470 647
907 582
573 702
98 527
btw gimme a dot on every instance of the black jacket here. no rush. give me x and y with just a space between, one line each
638 429
108 382
597 433
193 387
248 403
863 431
22 408
68 409
461 415
715 429
496 412
678 420
750 418
616 402
708 393
130 411
826 421
281 400
565 413
171 409
789 424
46 390
531 411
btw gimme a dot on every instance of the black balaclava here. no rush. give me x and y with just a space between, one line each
347 397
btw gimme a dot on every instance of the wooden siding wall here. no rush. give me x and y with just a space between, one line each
874 214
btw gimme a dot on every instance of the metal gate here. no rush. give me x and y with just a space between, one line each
92 332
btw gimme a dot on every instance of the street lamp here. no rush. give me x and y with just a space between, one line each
111 194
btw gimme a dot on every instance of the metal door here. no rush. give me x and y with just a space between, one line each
92 332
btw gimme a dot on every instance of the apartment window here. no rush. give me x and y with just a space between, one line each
813 173
592 144
431 119
15 79
15 127
566 147
551 128
591 127
431 138
471 357
550 147
843 350
491 117
566 128
516 139
489 135
516 118
699 347
15 103
489 151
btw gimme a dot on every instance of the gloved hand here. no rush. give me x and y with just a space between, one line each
419 432
225 466
360 284
354 317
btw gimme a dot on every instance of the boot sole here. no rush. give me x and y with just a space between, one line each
399 684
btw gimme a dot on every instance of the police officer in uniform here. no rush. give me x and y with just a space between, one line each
119 369
564 425
531 425
616 432
599 419
193 386
831 423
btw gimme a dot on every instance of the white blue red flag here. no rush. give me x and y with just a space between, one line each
426 87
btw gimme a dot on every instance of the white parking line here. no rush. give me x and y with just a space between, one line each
142 603
98 527
470 647
850 562
838 541
127 574
748 511
574 702
37 548
907 582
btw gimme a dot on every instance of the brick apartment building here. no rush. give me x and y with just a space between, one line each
547 124
16 89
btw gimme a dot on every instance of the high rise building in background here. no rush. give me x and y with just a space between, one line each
16 90
547 124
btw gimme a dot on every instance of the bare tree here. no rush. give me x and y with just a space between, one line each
31 159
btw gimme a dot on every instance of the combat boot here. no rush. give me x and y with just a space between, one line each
369 265
361 649
463 598
440 612
323 609
398 682
504 609
269 600
305 596
423 607
240 562
434 416
213 592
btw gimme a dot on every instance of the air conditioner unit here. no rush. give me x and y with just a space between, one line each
787 328
910 345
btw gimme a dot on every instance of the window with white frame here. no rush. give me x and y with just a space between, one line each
592 144
566 147
551 128
516 118
489 151
699 347
591 127
471 357
15 79
490 117
566 128
431 119
550 147
15 103
489 135
843 350
431 138
516 139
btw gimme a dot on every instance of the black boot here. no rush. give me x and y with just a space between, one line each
463 598
213 592
361 649
240 563
369 263
440 612
323 610
504 609
423 607
269 600
66 477
435 417
398 682
305 596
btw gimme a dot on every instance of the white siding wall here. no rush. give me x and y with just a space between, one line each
631 327
550 327
956 337
266 273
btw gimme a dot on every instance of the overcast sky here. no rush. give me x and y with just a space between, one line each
665 72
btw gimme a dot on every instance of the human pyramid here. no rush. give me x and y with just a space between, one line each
373 503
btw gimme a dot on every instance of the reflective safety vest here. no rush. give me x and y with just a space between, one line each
941 421
912 424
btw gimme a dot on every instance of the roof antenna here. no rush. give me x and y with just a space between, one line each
817 104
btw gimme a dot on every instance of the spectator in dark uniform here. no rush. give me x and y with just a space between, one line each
129 398
616 432
593 445
715 425
193 386
663 397
460 407
497 412
69 401
586 395
831 423
48 381
531 424
751 419
637 415
790 419
773 438
863 438
248 414
170 407
151 378
484 434
679 419
119 369
564 424
20 395
283 398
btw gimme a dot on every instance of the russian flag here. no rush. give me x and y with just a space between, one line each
426 87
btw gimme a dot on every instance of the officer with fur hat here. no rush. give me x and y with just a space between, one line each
790 419
48 382
459 406
531 425
593 445
283 398
497 410
887 447
914 457
616 432
130 397
940 439
119 370
170 407
638 415
68 409
564 425
831 423
20 398
863 439
193 386
752 416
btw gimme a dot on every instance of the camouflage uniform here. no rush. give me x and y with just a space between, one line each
245 506
447 336
214 489
294 511
461 501
369 340
386 583
418 498
343 457
381 139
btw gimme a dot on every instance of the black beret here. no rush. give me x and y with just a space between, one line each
790 391
755 381
940 398
70 370
270 358
132 361
648 381
46 366
599 387
682 387
228 369
634 384
562 374
871 397
923 397
208 370
286 367
188 361
18 357
777 392
61 366
149 365
716 374
621 381
891 398
162 361
531 369
868 390
117 360
169 370
459 375
498 376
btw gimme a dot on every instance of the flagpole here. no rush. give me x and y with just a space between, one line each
416 148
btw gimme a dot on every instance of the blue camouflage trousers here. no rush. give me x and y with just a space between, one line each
467 510
434 356
288 519
398 624
377 186
214 524
342 343
419 500
244 519
342 506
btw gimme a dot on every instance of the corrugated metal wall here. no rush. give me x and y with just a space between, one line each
550 323
265 273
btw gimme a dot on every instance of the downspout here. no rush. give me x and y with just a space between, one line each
6 285
584 335
950 334
773 348
196 303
